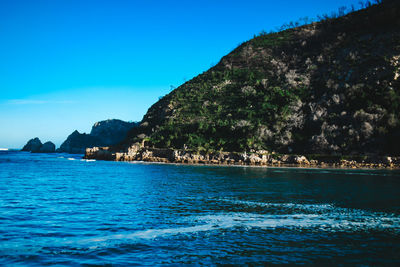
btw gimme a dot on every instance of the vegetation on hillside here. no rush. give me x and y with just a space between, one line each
331 86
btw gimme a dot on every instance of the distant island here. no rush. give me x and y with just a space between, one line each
35 146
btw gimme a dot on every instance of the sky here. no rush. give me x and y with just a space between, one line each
65 64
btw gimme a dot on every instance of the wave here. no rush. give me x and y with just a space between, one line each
293 206
150 233
325 218
4 149
336 222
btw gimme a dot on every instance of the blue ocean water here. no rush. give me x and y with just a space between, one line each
60 209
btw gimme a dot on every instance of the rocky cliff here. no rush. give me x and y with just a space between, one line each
76 143
330 87
103 133
111 132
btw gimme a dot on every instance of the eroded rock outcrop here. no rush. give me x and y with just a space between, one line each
138 152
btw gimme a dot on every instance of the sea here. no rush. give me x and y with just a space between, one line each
59 209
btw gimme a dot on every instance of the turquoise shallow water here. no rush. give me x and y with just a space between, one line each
59 209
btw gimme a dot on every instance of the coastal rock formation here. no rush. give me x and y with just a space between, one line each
48 147
111 132
35 146
257 158
103 133
76 143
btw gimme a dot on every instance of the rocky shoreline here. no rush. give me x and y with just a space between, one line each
257 158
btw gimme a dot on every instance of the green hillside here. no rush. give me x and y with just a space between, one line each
329 87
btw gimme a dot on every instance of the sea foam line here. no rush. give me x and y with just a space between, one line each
301 206
214 222
323 217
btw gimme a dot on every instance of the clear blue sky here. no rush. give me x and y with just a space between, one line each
65 64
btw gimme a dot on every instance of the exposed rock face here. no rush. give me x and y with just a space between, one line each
103 133
35 146
76 143
257 158
101 153
111 132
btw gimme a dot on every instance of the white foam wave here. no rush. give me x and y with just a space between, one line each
298 206
332 222
88 160
328 222
71 159
151 233
290 216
